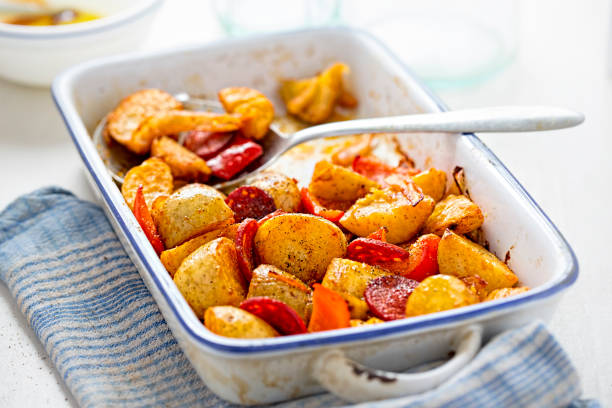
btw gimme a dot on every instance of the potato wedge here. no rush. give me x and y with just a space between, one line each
457 213
230 232
283 190
387 208
461 257
350 279
300 244
172 258
230 321
176 121
371 320
432 182
210 277
190 211
134 109
270 281
257 110
313 99
438 293
506 292
334 183
155 177
184 164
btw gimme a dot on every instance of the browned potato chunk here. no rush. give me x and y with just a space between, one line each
461 257
172 258
300 244
350 279
335 183
155 177
210 277
437 293
270 281
176 121
313 99
506 292
230 321
190 211
371 320
432 182
184 164
257 110
134 109
387 208
457 213
230 232
283 190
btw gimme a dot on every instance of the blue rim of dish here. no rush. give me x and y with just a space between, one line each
78 30
341 336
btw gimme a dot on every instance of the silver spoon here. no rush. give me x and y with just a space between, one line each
496 119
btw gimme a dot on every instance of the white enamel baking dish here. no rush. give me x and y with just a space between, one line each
270 370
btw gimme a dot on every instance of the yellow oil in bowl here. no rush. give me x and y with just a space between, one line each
59 17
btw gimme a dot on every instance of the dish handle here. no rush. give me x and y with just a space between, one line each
356 383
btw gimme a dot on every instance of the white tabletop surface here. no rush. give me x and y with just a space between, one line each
561 60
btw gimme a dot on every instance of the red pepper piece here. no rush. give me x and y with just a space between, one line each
250 202
207 144
271 215
143 216
386 296
374 252
376 170
329 310
245 236
276 313
233 159
312 206
423 261
380 234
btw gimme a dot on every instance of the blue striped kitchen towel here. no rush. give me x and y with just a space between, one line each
88 306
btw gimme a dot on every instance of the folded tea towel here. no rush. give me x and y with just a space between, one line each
105 335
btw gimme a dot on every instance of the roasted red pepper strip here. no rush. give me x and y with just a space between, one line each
312 206
423 261
207 144
386 296
276 313
233 159
380 234
245 237
142 214
374 252
376 170
329 310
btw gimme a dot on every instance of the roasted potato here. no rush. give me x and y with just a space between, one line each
313 99
176 121
172 258
230 231
437 293
461 257
190 211
155 177
283 190
210 277
457 213
134 109
270 281
300 244
506 292
371 320
334 183
432 182
183 163
350 279
387 208
257 110
230 321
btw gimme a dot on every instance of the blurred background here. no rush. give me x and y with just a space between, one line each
472 53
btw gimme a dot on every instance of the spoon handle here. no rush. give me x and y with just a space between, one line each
496 119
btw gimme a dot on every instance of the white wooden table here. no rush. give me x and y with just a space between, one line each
561 61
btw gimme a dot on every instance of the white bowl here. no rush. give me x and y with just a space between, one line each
270 370
34 55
